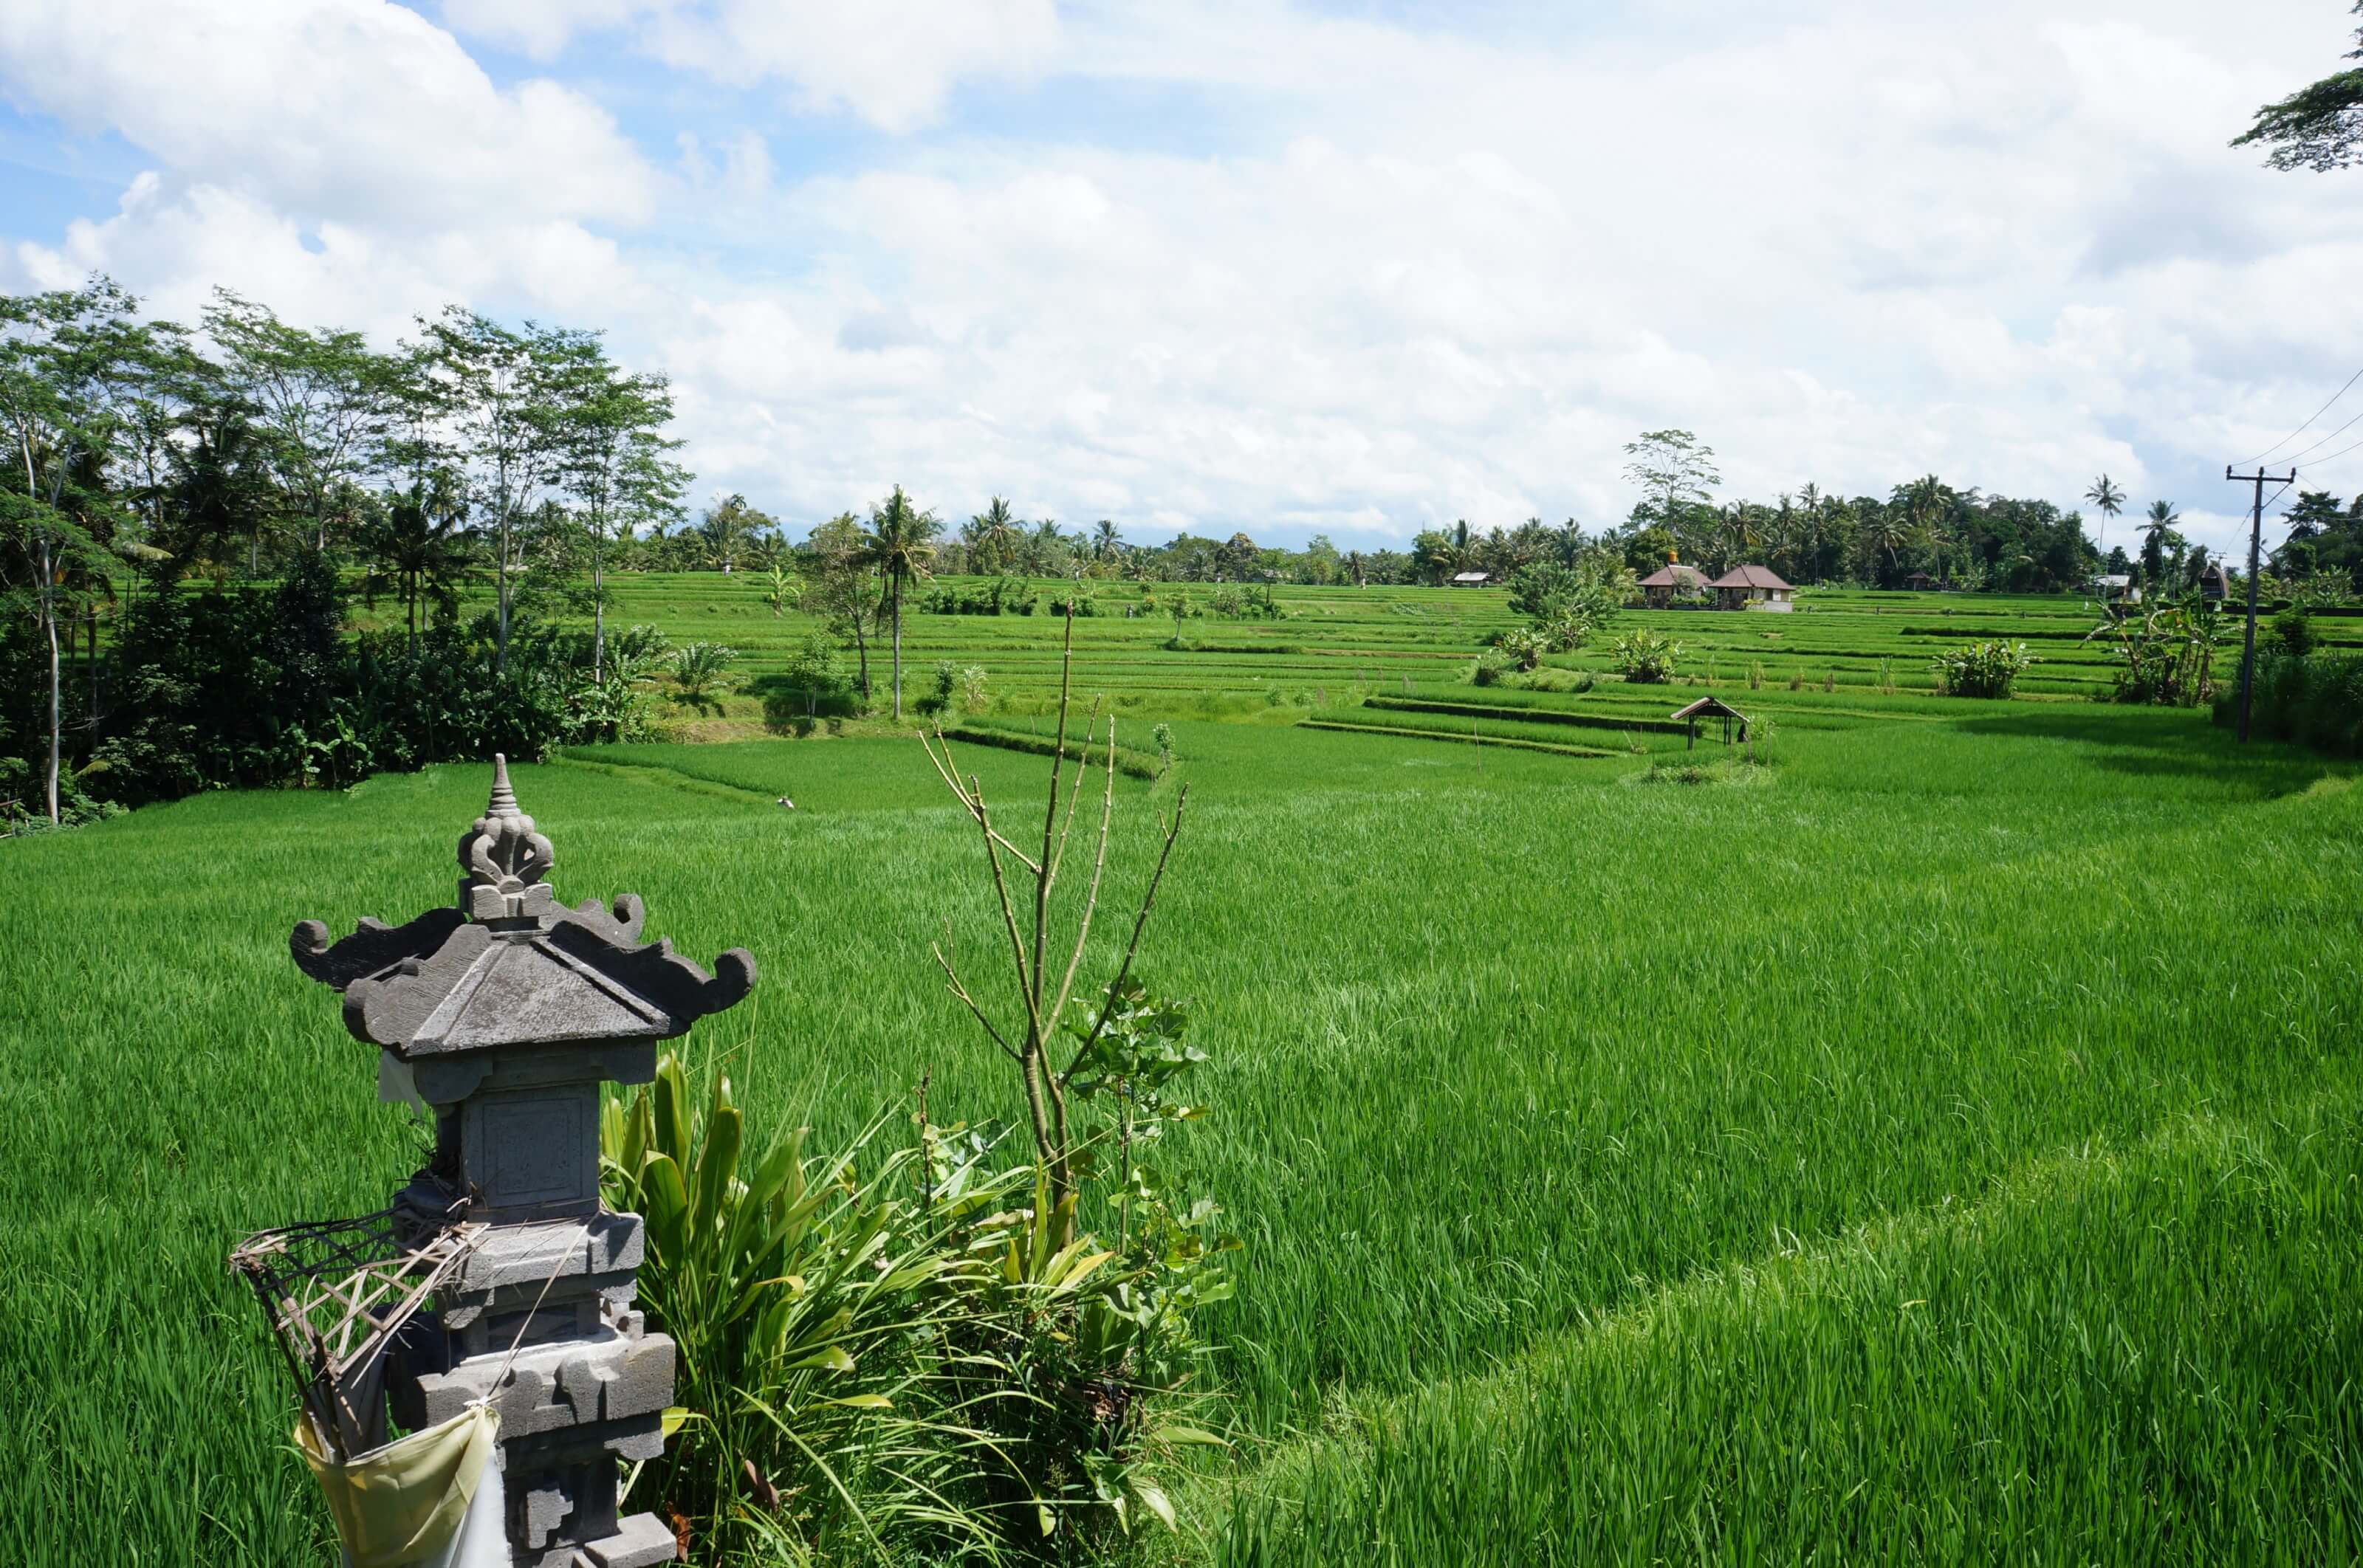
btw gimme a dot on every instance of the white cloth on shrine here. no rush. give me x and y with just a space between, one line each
429 1500
397 1085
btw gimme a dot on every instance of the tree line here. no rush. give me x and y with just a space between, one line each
147 454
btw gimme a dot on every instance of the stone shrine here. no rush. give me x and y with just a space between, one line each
504 1015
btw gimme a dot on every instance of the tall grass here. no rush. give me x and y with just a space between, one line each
1599 1135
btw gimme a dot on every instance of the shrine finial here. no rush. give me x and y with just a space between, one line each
504 859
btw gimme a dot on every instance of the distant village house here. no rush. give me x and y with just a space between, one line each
1661 588
1752 587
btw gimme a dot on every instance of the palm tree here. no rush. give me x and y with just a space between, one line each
2110 500
1882 529
1107 543
1043 548
991 539
417 549
899 542
2154 530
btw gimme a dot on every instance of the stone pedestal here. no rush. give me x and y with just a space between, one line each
505 1016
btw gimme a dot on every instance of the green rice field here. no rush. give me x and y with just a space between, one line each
1942 1145
1334 644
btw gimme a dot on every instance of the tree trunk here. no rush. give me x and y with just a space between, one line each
598 615
46 602
91 720
895 608
501 649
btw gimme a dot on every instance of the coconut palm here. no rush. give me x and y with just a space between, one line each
899 543
2109 500
416 549
2157 531
992 538
1108 542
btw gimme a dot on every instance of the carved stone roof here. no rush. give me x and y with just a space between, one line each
524 970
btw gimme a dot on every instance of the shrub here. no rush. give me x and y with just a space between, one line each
1522 647
2167 653
699 673
1645 658
2293 634
2315 702
1980 669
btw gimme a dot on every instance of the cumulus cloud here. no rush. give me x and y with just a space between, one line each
354 110
1362 277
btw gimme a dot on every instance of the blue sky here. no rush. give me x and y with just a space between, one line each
1353 268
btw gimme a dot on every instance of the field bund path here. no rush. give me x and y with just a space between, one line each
1944 1149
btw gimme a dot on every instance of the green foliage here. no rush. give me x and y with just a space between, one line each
1520 648
1972 670
2166 650
1645 656
613 705
2318 127
782 591
2315 700
943 690
2291 633
802 1296
1566 603
700 672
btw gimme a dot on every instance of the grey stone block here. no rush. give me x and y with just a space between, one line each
552 1249
639 1541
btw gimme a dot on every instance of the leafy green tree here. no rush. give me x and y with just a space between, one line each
2319 125
316 399
1676 474
221 488
900 545
71 361
504 391
837 563
613 459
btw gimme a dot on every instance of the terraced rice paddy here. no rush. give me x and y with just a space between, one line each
1946 1149
1335 643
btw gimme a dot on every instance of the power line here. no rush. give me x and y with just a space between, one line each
2336 456
2310 418
2325 440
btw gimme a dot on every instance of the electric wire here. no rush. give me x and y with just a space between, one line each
2334 455
2294 456
2310 418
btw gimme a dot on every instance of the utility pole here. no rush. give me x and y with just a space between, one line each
2256 532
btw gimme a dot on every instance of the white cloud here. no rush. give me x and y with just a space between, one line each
894 64
356 110
1336 274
